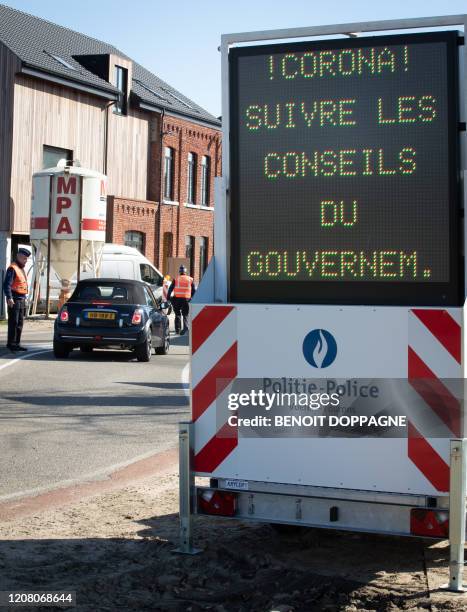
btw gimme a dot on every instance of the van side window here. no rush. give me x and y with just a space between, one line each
149 275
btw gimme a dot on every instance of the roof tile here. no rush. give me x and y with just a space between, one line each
35 41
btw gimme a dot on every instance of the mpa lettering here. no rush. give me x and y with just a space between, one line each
63 203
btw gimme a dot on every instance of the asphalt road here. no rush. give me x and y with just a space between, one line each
68 421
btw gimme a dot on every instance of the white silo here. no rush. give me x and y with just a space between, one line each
68 218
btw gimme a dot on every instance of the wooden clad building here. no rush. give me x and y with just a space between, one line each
65 94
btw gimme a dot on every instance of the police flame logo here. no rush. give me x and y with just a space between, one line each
319 348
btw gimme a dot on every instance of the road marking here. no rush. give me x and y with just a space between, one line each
32 501
33 354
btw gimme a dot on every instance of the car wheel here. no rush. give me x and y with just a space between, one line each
144 350
164 349
86 349
61 350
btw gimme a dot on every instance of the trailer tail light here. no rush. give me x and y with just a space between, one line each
64 315
218 502
429 523
137 317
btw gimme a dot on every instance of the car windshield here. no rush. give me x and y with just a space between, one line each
114 293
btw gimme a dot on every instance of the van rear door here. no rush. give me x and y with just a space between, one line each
119 268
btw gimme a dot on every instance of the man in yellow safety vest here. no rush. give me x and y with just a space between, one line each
180 293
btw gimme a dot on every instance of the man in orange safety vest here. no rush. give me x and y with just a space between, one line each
180 293
15 288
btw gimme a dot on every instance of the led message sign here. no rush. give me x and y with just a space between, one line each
344 171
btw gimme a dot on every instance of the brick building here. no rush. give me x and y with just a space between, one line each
66 95
181 222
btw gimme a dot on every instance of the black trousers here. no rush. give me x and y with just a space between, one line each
181 309
15 322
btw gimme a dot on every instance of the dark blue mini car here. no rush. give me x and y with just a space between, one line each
112 313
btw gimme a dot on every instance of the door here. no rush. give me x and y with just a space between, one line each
157 320
118 268
151 276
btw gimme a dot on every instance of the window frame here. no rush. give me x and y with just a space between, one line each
51 149
152 299
167 247
169 178
205 180
121 104
192 166
190 243
203 254
156 277
130 243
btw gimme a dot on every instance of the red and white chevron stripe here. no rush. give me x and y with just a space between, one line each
434 357
214 366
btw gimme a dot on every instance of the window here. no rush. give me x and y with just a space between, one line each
149 89
169 156
117 292
150 301
191 179
205 171
175 97
190 252
135 240
167 250
121 83
150 275
203 255
61 61
52 155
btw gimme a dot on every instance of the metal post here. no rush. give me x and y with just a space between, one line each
93 259
457 496
78 273
49 239
40 259
186 482
29 310
2 297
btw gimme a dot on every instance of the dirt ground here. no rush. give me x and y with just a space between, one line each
115 551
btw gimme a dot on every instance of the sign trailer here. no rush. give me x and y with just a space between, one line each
338 269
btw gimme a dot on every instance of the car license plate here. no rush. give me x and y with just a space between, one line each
101 315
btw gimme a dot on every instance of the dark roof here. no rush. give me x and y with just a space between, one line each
36 41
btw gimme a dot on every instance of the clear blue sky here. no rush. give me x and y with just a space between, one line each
178 39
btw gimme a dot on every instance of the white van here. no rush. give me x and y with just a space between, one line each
118 261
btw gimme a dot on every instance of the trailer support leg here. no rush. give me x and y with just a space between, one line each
186 483
457 497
